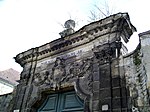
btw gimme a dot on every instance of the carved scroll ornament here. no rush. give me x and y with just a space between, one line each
78 73
61 73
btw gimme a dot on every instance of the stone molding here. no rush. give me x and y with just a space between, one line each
116 23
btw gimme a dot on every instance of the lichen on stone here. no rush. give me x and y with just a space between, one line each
136 58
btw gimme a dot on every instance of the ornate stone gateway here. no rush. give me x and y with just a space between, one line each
86 61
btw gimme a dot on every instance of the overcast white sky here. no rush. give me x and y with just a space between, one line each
25 24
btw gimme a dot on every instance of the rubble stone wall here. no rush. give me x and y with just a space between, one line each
137 73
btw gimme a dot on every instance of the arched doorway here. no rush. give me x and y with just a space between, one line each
62 102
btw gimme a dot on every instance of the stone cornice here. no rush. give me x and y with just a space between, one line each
144 33
118 23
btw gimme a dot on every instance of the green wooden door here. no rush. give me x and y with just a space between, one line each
62 102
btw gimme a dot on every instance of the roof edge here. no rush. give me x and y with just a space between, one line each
144 33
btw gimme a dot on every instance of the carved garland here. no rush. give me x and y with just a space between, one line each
61 73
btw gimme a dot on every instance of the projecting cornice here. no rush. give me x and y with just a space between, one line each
117 23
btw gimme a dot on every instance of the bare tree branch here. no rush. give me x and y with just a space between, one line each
60 24
101 11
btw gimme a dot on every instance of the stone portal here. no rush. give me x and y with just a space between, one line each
87 61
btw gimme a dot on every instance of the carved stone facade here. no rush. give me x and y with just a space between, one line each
88 61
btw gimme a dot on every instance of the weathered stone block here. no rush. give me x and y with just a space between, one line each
95 105
105 83
125 110
95 111
95 95
96 76
116 92
95 67
114 68
124 91
123 82
104 74
96 86
124 102
116 82
116 103
105 93
116 110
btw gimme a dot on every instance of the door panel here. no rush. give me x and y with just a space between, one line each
70 102
50 105
62 102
